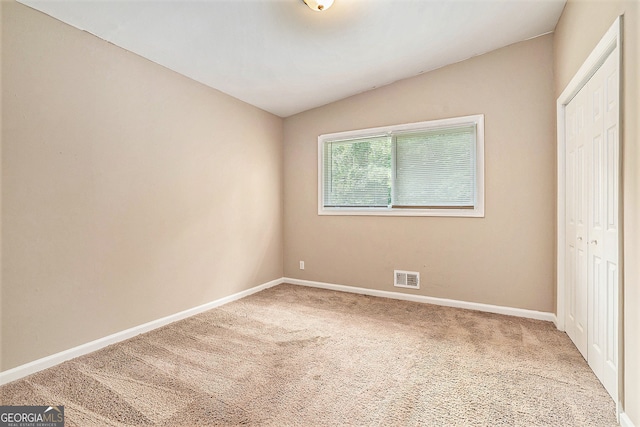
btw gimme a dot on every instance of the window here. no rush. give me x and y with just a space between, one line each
432 168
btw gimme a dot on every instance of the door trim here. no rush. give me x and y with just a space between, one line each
610 44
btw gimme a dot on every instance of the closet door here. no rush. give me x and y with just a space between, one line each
602 274
576 223
592 223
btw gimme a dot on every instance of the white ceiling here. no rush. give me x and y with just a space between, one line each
285 58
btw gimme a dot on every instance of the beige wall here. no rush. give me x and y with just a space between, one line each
506 258
129 192
581 26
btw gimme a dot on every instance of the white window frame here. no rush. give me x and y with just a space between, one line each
476 211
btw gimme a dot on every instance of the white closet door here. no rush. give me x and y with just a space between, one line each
596 265
576 223
592 229
602 275
611 224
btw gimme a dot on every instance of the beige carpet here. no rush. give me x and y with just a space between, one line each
295 356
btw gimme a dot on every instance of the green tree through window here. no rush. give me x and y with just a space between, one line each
358 172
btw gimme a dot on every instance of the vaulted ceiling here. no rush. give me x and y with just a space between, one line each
285 58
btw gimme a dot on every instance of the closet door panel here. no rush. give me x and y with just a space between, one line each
576 222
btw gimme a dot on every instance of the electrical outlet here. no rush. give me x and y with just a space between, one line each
301 265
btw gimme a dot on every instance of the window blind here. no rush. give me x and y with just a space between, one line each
435 168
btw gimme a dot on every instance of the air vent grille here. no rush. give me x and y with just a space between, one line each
406 279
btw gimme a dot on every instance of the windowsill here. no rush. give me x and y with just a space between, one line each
468 213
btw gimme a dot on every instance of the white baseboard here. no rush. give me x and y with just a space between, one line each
625 421
510 311
55 359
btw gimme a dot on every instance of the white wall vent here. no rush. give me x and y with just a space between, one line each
406 279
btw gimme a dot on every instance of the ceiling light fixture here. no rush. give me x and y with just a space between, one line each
318 5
